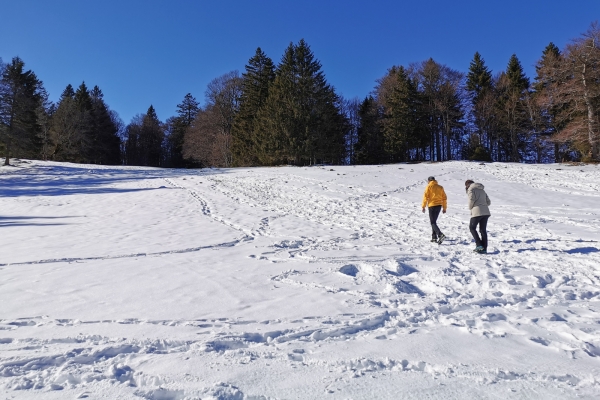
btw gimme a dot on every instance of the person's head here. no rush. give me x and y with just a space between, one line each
467 184
431 178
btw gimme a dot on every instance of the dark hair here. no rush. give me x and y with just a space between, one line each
431 178
468 183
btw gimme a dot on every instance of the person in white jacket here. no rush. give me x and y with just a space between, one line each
479 203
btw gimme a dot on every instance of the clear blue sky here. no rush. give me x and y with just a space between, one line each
142 52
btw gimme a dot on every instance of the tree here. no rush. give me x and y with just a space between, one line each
400 122
301 122
84 129
545 86
144 140
350 108
370 141
479 77
63 128
442 97
511 88
45 112
106 142
573 88
20 99
175 130
479 84
208 139
259 75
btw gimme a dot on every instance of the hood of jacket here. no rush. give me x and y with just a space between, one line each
474 186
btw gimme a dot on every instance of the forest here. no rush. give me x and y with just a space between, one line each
288 114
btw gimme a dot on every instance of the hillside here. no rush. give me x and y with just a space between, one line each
288 282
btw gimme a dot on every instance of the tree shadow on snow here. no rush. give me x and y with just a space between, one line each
59 180
580 250
530 241
25 221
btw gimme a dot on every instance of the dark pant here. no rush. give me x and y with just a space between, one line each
482 222
434 213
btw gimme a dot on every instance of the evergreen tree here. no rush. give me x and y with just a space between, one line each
480 85
68 92
64 127
516 75
106 147
514 124
441 108
301 122
144 140
370 143
176 128
187 109
152 137
550 58
544 85
401 119
45 111
260 73
83 98
85 137
479 77
19 101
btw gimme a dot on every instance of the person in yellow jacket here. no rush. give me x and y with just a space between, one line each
435 199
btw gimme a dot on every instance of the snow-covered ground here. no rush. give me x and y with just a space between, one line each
297 283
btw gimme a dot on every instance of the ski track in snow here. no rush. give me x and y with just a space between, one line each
538 287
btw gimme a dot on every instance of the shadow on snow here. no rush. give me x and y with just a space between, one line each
49 180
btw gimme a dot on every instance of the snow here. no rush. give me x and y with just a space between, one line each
288 282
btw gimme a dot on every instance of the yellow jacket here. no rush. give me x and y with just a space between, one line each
434 196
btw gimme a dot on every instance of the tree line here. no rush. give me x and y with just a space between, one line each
287 113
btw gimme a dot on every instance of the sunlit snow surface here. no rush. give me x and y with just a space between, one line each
297 283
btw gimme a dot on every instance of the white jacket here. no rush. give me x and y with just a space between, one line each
478 200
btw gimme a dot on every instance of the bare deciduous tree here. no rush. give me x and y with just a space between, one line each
208 139
572 87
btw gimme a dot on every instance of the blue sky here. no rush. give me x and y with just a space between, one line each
142 52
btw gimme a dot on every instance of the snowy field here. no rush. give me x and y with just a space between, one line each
297 283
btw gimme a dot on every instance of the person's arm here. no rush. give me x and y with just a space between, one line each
444 201
425 198
471 197
487 200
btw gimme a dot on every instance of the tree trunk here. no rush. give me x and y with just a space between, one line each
6 160
590 116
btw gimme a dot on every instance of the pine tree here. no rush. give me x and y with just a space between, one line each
151 137
514 124
85 135
479 77
144 140
480 85
400 124
45 111
370 143
301 122
187 111
19 101
106 147
516 75
550 58
63 128
544 85
260 73
68 92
